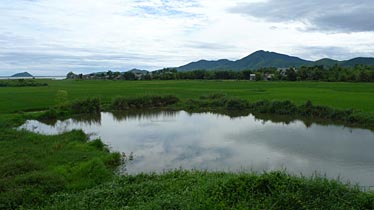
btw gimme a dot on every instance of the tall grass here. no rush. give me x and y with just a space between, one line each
87 106
32 166
223 103
215 190
123 103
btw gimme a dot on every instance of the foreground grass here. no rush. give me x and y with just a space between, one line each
213 190
338 95
34 166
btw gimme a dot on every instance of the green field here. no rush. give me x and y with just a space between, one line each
359 96
68 172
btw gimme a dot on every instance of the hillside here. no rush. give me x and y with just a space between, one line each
326 62
263 59
23 74
358 61
207 65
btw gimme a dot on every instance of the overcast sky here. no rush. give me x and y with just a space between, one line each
53 37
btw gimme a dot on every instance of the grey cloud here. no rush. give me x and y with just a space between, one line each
59 63
333 52
332 16
210 46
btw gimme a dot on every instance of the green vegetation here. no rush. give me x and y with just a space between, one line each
64 109
123 103
305 73
87 106
213 190
32 166
358 96
263 59
219 102
68 172
335 73
21 83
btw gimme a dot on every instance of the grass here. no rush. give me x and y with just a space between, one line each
33 166
21 83
67 172
358 96
215 190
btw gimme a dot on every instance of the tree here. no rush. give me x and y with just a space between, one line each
129 76
258 76
246 74
291 74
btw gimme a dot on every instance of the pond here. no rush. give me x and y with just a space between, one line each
160 141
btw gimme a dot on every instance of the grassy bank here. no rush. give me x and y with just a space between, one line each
32 166
358 96
213 190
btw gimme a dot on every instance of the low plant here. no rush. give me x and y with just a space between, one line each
123 103
86 106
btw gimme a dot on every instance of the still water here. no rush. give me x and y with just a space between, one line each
207 141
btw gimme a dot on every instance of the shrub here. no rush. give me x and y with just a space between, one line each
122 103
283 108
236 104
87 106
260 106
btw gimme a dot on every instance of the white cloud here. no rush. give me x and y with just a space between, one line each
54 37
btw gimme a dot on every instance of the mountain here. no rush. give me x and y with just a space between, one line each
23 74
262 59
204 64
327 62
358 61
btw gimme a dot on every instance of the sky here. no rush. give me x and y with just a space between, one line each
54 37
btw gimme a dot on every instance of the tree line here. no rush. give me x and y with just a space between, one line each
336 73
359 73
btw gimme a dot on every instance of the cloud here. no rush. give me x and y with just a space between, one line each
333 52
320 15
55 37
318 52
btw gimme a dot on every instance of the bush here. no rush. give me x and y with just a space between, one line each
236 104
283 108
260 106
87 106
122 103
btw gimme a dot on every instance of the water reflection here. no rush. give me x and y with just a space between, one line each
168 140
142 115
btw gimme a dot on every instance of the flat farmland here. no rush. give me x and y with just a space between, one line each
358 96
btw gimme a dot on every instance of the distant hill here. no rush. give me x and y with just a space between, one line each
262 59
358 61
326 62
23 74
207 65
